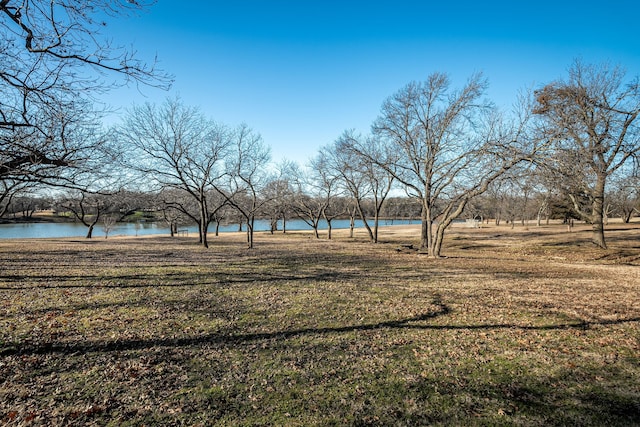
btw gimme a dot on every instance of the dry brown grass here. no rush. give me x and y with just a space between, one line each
515 326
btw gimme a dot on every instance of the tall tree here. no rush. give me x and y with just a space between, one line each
177 147
247 176
323 181
363 178
592 119
445 147
54 59
308 202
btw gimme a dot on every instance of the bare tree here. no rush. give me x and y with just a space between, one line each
247 176
109 222
54 51
445 147
363 178
272 209
323 183
9 188
85 207
307 204
513 193
279 194
512 201
309 210
24 205
54 60
178 207
543 202
177 147
625 195
592 120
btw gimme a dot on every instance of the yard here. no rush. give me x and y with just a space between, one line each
524 326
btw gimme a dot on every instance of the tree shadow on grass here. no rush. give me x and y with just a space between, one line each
219 338
125 281
231 338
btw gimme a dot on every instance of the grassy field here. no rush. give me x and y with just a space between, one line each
514 327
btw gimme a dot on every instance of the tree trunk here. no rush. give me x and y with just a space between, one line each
598 234
598 224
376 225
539 217
598 214
364 221
250 224
204 222
425 233
437 246
92 225
204 229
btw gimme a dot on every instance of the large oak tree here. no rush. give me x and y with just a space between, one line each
446 146
592 120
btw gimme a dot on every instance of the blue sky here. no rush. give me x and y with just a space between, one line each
301 72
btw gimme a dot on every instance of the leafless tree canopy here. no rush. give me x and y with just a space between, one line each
177 147
451 151
51 51
246 176
54 57
361 178
592 119
445 146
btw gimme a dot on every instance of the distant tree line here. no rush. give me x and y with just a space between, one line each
568 149
500 205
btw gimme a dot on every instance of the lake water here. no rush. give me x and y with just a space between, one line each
55 230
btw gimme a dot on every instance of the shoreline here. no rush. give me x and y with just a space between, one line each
398 229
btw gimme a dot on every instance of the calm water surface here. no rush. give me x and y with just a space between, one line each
53 230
